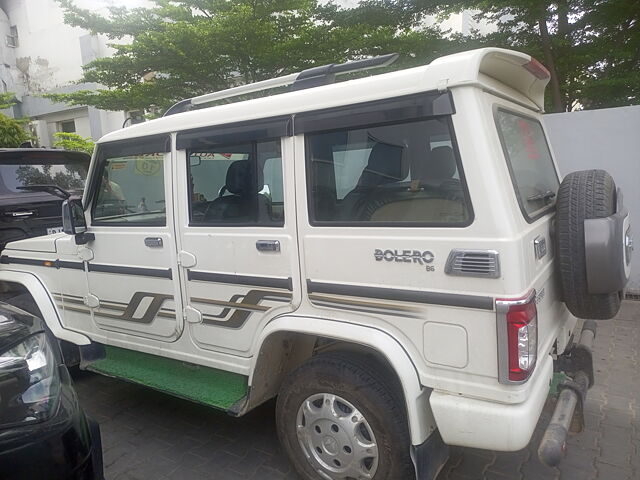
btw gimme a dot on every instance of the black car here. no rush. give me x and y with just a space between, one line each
44 434
33 184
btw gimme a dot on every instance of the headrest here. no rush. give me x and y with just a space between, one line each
441 165
241 178
384 166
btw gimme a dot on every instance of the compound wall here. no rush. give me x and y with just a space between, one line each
608 139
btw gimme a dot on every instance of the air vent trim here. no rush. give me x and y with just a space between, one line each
473 263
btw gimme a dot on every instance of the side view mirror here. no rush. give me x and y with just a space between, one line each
73 221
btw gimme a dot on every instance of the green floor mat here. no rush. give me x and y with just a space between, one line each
205 385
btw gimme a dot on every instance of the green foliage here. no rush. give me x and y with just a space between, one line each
7 100
591 47
184 48
12 134
73 141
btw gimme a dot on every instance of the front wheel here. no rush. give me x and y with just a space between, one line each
338 418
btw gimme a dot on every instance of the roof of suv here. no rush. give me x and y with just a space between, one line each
492 68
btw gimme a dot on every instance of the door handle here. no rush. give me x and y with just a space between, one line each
153 242
268 245
19 214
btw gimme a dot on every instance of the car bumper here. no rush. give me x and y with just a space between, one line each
475 423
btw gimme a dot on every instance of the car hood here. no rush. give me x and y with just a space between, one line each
16 325
36 244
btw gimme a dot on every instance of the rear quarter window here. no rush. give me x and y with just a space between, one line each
533 173
398 174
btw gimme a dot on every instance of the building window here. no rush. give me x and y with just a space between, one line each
12 38
68 126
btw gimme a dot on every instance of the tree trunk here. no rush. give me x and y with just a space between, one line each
563 18
558 102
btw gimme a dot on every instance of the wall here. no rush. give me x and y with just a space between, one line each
80 117
608 139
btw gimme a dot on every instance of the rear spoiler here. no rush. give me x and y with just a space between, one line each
516 70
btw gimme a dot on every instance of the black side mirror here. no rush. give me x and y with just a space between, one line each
73 221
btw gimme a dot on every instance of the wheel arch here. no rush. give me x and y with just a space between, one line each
43 300
288 341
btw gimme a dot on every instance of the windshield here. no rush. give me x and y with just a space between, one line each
64 173
532 170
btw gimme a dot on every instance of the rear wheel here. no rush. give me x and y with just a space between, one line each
338 418
583 195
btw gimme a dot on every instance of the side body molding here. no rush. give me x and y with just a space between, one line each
421 420
45 304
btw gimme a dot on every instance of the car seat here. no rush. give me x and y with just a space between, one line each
243 202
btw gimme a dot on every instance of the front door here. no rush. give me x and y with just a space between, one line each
238 248
132 279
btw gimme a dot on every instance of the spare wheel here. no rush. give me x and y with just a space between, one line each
593 244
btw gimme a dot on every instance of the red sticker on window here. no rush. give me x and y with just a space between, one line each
527 139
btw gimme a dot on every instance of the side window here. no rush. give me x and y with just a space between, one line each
529 159
401 174
131 191
237 184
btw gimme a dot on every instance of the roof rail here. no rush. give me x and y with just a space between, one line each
312 77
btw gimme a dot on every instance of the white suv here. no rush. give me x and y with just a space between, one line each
393 257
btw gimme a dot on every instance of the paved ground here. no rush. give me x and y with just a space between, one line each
149 435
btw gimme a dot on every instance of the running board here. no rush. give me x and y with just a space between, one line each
208 386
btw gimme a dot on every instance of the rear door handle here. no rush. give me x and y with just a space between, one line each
153 242
268 245
22 214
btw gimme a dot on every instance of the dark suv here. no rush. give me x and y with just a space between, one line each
33 183
44 433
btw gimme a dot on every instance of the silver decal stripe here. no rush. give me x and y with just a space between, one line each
365 306
400 295
242 310
126 311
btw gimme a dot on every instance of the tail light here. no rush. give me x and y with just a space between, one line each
537 69
517 338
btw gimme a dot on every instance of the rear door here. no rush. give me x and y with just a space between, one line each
535 182
132 279
238 248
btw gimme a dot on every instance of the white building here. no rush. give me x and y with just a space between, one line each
41 54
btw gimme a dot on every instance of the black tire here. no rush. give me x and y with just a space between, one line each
376 395
582 195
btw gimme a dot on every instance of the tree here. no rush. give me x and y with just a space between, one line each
591 47
182 48
12 134
73 141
